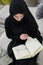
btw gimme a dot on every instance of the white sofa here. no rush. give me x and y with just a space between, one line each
4 41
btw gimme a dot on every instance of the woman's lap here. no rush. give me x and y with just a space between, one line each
29 61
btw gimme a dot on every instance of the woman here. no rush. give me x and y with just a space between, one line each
19 25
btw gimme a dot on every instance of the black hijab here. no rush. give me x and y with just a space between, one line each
19 6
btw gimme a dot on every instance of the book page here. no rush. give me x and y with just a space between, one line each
21 52
39 49
33 45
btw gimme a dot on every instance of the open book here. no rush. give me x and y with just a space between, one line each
30 49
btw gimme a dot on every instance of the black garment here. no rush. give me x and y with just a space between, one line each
30 61
14 29
24 62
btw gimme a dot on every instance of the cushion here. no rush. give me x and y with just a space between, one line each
1 30
39 11
40 1
40 58
4 41
1 6
4 12
40 24
2 52
5 60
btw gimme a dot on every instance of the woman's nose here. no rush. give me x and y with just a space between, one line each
19 17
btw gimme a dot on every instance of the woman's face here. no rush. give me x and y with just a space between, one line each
18 17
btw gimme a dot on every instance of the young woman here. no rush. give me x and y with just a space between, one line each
19 25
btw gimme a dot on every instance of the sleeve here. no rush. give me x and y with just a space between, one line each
8 29
9 32
35 33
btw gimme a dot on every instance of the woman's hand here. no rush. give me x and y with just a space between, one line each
23 36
